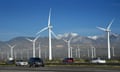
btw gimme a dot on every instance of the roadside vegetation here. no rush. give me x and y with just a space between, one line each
77 62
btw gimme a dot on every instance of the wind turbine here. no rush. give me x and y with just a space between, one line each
108 37
78 52
50 32
28 54
69 48
33 41
39 51
11 47
7 55
113 51
93 52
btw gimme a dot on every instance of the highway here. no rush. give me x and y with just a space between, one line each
56 69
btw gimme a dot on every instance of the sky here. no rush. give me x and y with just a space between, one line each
27 17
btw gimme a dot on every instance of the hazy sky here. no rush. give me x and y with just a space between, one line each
27 17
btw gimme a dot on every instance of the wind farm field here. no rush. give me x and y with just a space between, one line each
82 47
59 36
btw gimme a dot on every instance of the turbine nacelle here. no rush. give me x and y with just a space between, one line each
108 30
50 27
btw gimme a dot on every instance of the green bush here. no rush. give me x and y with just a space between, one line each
81 61
113 61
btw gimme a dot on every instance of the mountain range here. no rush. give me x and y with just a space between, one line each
23 48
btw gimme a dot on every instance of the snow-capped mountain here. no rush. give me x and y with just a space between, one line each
66 35
93 37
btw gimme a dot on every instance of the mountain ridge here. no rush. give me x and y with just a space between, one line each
60 46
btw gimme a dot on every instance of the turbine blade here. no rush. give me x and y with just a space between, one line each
36 37
49 17
65 40
103 29
29 39
70 39
114 34
54 35
13 46
110 24
9 45
42 30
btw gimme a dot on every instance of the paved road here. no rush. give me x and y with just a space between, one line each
56 69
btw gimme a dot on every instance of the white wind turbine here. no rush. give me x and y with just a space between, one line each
33 41
108 37
49 28
78 52
71 50
11 47
88 52
93 51
39 48
113 51
69 47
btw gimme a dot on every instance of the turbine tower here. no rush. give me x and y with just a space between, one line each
93 51
33 41
71 50
78 52
113 51
50 32
88 52
39 51
108 37
11 47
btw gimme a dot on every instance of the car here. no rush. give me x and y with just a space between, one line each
98 60
68 60
10 62
35 62
21 63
